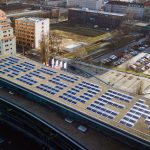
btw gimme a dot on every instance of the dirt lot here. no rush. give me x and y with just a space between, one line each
75 34
78 33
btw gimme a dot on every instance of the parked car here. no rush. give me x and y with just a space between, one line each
141 48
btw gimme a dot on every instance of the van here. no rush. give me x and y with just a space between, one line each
82 128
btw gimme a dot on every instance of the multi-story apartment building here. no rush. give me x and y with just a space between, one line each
147 10
29 31
92 17
90 4
136 9
7 38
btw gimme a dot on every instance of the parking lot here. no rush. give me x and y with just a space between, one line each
121 80
125 55
139 63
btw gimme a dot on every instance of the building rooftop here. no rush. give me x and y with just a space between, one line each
2 15
31 19
131 4
98 12
142 24
91 139
124 111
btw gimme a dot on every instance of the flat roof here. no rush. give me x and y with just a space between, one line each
95 11
142 24
131 4
31 19
125 111
91 139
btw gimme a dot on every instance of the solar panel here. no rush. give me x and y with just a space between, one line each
102 111
138 110
76 92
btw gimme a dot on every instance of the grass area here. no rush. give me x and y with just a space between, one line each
79 33
122 41
91 36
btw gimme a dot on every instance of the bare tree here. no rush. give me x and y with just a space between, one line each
55 42
80 53
50 44
140 88
44 47
127 65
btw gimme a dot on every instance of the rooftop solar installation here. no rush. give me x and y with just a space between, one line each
128 112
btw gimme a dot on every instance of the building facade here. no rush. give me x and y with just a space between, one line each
90 4
9 1
135 9
147 10
7 38
29 31
53 2
99 18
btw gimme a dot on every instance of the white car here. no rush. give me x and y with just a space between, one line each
68 120
11 92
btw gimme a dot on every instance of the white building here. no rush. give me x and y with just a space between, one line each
29 31
135 9
7 38
91 4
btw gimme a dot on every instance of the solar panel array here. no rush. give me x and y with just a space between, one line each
140 109
72 94
99 105
119 95
76 92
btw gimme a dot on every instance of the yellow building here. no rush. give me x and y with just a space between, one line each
29 30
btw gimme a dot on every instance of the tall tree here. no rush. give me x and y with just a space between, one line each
55 42
44 47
